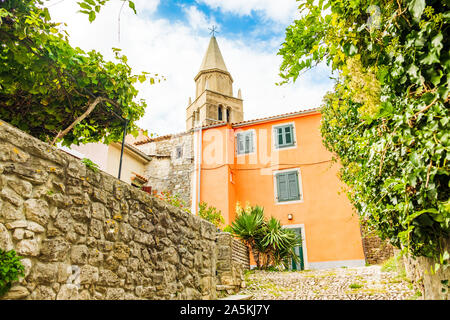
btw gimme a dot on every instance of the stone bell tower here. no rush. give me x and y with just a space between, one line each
214 100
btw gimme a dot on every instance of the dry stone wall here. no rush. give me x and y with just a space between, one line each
433 285
232 260
376 250
87 235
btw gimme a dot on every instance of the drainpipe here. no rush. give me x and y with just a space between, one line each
199 168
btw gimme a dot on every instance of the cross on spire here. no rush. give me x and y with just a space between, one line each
213 30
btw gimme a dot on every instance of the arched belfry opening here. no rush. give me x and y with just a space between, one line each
220 113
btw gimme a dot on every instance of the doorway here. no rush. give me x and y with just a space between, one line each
295 265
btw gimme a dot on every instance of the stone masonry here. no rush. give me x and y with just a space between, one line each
376 250
232 260
172 165
433 285
87 235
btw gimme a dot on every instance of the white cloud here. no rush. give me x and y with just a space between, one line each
197 19
282 11
175 50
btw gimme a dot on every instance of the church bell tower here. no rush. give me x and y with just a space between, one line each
214 100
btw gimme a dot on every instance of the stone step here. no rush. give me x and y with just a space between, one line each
238 297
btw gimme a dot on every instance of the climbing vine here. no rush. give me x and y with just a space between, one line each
387 119
57 92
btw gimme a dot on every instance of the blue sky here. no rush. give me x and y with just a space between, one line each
170 37
252 25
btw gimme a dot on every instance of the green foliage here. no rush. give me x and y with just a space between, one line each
92 7
46 84
173 199
211 214
355 286
228 229
10 270
89 164
270 244
387 119
393 264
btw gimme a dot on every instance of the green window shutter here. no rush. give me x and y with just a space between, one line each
288 135
245 142
275 137
240 143
294 192
288 186
284 136
280 138
282 187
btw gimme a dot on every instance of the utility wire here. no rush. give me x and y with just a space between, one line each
268 167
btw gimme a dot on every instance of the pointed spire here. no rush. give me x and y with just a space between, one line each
213 58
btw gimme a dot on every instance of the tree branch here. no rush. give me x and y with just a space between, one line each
82 117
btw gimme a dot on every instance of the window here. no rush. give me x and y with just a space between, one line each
179 152
284 136
245 142
228 114
219 111
288 186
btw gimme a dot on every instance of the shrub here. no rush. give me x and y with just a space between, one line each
271 244
173 199
211 214
90 164
10 270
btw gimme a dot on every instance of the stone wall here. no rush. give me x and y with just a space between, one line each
376 250
87 235
232 260
419 271
168 170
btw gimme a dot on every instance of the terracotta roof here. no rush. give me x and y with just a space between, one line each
142 178
164 137
280 116
275 117
147 139
233 124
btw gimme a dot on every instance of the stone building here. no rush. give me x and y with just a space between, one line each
173 156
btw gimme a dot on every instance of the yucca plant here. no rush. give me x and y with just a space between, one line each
285 254
249 226
269 242
279 243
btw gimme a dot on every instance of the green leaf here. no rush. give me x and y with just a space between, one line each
131 5
84 6
91 16
416 8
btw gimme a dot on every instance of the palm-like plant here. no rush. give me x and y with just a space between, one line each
280 242
249 226
267 240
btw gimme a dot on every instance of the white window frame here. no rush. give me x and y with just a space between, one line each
254 142
274 137
300 187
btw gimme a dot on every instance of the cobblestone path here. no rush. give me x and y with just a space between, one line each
363 283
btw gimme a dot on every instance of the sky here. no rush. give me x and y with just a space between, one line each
170 38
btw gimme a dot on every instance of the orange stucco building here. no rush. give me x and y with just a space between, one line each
280 163
277 162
